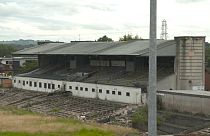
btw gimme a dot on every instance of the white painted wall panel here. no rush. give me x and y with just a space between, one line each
78 89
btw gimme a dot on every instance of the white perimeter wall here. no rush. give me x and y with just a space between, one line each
88 90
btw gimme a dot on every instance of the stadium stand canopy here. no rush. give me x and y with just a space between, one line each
136 47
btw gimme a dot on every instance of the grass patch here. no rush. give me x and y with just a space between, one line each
92 132
22 134
55 110
82 132
19 122
16 111
140 117
33 134
68 121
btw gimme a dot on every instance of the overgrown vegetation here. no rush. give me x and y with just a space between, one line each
16 111
140 118
28 66
82 132
6 50
18 122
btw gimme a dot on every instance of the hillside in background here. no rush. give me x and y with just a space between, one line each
20 42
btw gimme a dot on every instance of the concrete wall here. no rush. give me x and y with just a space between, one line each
73 64
10 61
190 63
43 60
186 101
118 63
87 90
99 63
130 66
81 61
167 83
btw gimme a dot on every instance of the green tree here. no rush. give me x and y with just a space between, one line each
6 50
28 66
129 37
104 39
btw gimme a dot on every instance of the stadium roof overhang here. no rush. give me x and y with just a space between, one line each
130 48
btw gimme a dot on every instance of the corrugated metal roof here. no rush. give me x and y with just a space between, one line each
39 49
137 47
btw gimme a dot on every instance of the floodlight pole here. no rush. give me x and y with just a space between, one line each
152 102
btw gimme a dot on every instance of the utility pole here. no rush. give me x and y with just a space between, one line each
152 102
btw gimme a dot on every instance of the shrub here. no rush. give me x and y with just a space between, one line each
140 118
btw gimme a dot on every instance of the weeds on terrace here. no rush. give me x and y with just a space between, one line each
140 118
19 122
16 111
55 110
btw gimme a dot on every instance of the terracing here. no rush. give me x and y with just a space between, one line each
63 104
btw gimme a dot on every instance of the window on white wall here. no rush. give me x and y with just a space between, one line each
76 88
40 85
49 86
19 81
81 88
100 90
30 83
35 84
113 92
26 82
93 89
70 87
107 91
119 93
23 83
45 85
14 81
127 94
53 86
86 89
59 86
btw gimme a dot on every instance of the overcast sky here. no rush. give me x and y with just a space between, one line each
67 20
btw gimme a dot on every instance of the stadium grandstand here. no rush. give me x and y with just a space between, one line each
114 71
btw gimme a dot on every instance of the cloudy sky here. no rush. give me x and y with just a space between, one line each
67 20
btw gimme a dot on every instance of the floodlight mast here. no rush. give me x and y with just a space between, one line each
152 100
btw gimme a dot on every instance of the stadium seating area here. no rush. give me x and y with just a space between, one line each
103 75
61 104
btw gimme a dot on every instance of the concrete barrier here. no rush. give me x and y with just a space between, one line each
196 102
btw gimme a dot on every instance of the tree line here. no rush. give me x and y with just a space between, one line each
6 50
127 37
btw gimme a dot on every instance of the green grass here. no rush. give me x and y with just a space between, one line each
55 110
82 132
68 121
35 124
92 132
